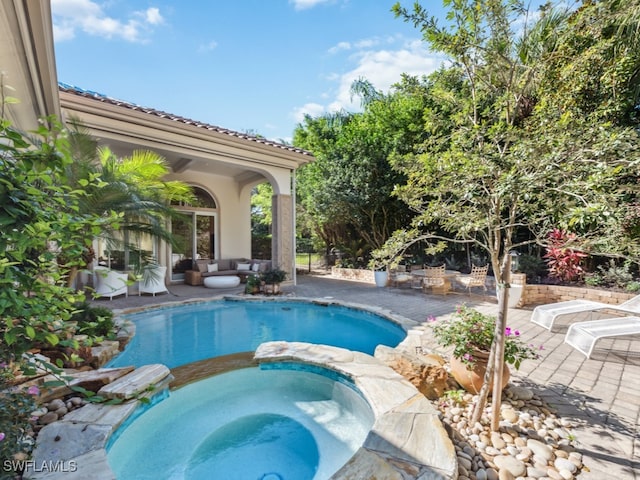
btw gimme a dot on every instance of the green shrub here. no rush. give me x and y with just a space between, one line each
95 321
16 406
533 266
614 275
632 286
593 280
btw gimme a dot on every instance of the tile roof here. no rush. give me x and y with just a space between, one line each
64 87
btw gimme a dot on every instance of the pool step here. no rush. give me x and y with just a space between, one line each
135 382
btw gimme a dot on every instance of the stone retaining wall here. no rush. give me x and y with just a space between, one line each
359 275
540 294
532 295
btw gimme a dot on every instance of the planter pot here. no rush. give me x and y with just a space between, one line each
515 293
472 380
381 278
271 288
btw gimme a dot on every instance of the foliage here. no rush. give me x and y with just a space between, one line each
134 186
95 321
533 266
632 287
613 275
261 220
505 155
16 405
564 262
44 234
253 284
469 331
345 195
273 276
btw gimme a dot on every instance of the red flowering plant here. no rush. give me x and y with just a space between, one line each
471 332
564 262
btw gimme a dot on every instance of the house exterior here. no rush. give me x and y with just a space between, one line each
222 165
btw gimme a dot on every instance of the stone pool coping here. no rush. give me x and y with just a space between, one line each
407 437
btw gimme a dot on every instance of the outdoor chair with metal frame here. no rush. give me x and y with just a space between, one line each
399 276
476 278
435 281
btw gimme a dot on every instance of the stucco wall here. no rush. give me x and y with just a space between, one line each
234 211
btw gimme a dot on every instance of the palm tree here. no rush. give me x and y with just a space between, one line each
133 187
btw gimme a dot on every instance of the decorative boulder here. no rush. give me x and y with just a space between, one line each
426 373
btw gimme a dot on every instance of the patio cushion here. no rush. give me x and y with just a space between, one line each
202 265
212 267
224 264
243 267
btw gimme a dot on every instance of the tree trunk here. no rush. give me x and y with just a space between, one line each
496 357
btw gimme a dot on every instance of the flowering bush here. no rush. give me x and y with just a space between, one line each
470 331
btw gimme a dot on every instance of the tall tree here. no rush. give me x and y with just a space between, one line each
133 186
348 189
493 165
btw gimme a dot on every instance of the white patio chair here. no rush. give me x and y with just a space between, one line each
399 276
546 315
153 280
109 283
476 278
583 335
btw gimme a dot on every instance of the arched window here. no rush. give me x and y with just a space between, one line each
202 199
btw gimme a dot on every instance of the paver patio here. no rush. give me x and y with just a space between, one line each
601 395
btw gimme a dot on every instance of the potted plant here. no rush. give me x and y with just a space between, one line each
272 279
380 271
253 284
471 333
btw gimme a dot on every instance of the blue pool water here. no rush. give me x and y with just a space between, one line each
248 424
183 334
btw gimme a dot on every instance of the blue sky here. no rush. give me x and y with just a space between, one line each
245 65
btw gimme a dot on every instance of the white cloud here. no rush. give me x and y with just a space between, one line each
152 15
207 47
89 17
305 4
382 68
311 109
340 46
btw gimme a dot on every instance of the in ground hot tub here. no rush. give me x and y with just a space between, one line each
251 423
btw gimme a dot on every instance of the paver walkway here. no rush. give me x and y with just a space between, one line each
602 395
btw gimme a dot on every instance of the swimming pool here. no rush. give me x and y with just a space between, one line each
188 333
294 423
251 423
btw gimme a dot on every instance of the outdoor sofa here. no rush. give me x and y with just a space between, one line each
241 267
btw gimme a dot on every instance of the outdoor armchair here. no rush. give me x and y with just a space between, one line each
109 283
476 278
153 280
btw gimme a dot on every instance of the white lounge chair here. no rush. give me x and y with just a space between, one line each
546 315
109 283
583 335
